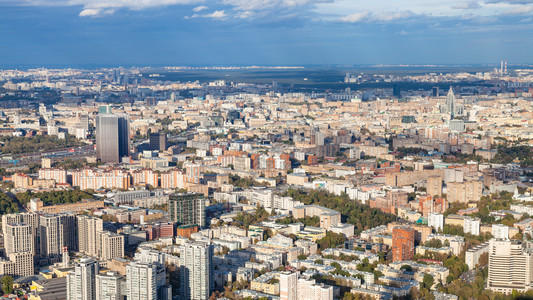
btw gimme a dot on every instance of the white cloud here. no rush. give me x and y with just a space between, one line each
199 8
251 5
467 5
385 16
333 10
393 15
218 14
390 10
90 12
354 18
93 8
96 12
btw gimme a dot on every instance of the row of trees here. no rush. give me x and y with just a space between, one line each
55 197
244 219
22 144
307 221
241 182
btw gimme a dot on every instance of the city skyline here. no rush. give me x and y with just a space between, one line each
189 32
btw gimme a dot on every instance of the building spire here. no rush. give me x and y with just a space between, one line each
450 103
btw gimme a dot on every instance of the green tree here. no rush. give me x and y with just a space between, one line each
408 268
7 284
428 281
331 239
361 216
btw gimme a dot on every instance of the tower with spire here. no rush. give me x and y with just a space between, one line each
450 103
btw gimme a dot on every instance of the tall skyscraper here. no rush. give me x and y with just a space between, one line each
112 137
109 286
81 282
88 234
158 141
187 209
144 282
435 91
510 266
51 235
396 91
403 243
196 273
70 231
450 103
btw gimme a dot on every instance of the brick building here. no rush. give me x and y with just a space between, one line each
403 243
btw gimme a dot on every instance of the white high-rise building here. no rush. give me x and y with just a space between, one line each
500 231
88 234
18 238
288 282
471 225
81 283
141 281
196 274
146 281
510 267
31 219
436 221
109 286
149 255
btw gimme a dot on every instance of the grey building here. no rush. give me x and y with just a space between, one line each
158 141
70 231
187 209
51 235
112 137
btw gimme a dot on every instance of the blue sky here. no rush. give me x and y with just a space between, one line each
264 32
